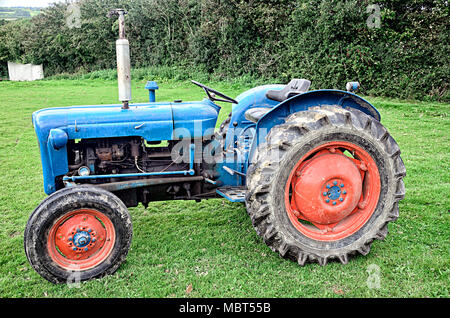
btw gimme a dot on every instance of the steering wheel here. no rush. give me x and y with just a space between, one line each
212 94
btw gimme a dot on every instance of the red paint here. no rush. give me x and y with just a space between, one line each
328 165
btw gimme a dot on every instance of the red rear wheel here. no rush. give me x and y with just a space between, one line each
332 191
325 185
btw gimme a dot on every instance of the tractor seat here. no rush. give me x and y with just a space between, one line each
294 87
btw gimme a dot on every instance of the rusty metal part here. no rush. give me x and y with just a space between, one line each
119 13
104 154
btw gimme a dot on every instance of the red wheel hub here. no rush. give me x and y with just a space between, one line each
328 188
332 191
81 239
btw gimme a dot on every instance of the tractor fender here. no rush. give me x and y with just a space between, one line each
302 102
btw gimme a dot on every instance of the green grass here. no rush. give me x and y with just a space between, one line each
211 245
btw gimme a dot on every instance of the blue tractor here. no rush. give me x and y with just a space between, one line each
320 176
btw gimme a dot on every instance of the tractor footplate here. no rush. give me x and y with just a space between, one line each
233 194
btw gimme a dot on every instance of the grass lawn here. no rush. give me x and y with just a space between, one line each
211 245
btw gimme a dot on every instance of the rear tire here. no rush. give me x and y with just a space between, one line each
306 226
77 234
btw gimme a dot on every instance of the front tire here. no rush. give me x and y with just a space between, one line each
77 234
325 185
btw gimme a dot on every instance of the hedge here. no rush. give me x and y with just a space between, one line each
401 52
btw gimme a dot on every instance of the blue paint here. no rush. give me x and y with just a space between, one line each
81 239
239 126
126 175
153 122
255 97
228 197
334 192
151 86
191 159
57 138
172 121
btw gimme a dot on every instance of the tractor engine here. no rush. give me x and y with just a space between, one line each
131 155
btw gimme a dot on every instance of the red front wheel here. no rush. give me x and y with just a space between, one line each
81 239
325 185
77 234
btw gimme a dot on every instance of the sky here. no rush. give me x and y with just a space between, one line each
26 3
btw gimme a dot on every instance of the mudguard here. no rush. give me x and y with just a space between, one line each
304 101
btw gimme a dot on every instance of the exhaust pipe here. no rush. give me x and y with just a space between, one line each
123 60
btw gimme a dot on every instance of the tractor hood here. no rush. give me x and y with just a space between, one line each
151 121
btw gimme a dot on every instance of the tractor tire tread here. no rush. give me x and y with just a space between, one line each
53 207
260 180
